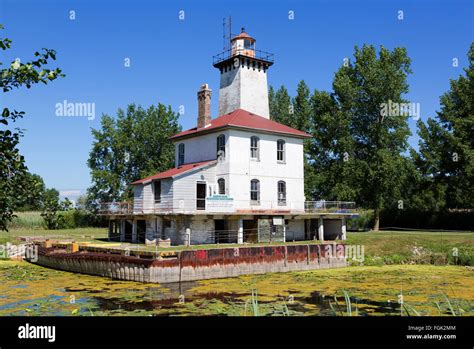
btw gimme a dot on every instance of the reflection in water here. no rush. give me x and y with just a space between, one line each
169 301
363 306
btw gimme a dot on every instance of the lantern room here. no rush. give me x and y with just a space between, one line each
243 44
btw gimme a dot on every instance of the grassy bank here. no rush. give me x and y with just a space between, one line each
395 247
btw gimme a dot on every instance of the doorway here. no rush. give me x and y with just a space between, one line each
250 230
200 196
221 232
128 231
141 231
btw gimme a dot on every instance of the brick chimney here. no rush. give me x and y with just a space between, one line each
204 106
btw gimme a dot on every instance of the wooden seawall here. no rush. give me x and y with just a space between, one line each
191 265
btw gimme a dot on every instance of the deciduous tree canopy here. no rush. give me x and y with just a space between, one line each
14 179
131 146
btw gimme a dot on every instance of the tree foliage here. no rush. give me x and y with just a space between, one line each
359 153
53 209
356 150
280 105
34 193
14 185
445 160
131 146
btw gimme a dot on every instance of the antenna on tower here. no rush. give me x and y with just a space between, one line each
227 32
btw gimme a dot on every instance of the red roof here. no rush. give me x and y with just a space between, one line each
243 119
174 171
243 35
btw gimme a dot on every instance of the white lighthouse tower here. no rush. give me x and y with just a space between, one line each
243 82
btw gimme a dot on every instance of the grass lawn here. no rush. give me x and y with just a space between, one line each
396 247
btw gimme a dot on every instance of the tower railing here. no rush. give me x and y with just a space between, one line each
234 52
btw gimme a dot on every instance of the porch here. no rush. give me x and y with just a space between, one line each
215 205
179 229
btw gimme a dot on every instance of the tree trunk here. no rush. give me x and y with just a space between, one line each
376 219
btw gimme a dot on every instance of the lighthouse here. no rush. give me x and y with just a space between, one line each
243 82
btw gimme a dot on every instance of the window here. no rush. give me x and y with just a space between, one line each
221 147
255 191
221 185
254 151
181 154
248 45
281 193
157 190
281 150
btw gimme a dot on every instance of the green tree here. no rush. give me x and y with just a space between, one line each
82 202
14 186
331 152
357 147
445 157
301 120
272 102
34 188
51 209
132 146
302 111
281 108
67 204
294 112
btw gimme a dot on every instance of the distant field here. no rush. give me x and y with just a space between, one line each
80 234
28 220
30 223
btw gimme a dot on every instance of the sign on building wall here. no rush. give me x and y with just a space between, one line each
278 221
219 203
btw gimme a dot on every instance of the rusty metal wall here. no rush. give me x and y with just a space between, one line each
177 266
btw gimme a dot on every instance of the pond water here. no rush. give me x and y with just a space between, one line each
28 289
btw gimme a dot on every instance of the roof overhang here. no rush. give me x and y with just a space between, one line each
186 172
204 131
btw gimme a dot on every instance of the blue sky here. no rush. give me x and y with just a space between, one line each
170 58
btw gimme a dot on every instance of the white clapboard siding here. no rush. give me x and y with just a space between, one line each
144 198
184 187
137 198
147 197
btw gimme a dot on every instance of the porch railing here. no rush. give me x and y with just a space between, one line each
235 206
328 206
